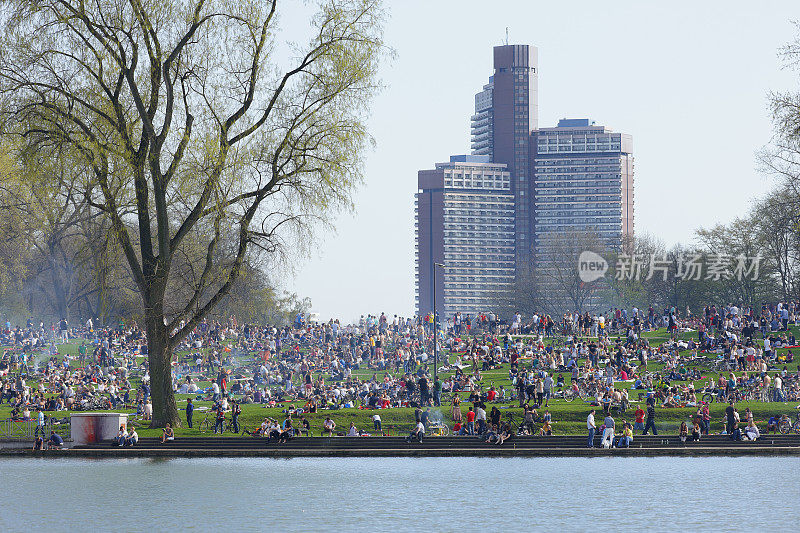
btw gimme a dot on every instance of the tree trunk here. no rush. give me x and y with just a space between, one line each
159 357
58 290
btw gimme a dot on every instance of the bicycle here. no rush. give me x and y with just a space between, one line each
516 428
786 426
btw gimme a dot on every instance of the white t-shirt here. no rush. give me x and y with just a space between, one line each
590 421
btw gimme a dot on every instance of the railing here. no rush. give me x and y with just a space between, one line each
23 430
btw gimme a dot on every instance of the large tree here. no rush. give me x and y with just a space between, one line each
200 120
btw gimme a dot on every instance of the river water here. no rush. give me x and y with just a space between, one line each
425 494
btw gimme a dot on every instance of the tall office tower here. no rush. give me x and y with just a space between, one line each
514 113
465 221
583 180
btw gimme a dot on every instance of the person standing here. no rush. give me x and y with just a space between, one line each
39 424
480 418
730 413
608 432
470 421
236 410
189 411
220 421
456 408
591 427
638 418
548 388
437 392
705 418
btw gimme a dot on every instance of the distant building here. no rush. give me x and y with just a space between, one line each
583 181
505 111
482 122
465 220
486 216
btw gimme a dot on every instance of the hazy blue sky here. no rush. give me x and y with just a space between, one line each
689 81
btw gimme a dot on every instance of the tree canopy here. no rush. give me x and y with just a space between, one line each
204 135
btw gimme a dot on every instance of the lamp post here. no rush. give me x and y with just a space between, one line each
435 326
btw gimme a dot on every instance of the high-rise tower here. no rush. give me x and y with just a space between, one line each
514 112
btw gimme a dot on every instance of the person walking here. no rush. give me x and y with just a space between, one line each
591 427
651 417
189 411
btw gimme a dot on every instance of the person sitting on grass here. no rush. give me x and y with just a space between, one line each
261 431
168 434
305 426
55 442
546 430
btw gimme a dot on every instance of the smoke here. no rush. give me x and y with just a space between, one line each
436 417
38 359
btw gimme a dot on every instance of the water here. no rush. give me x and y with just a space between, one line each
430 494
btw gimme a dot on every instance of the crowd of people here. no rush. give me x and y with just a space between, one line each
381 362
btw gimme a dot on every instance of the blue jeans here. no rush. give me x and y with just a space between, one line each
471 428
592 431
624 442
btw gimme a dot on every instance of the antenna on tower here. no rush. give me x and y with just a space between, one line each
506 35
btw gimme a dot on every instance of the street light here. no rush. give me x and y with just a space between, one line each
435 327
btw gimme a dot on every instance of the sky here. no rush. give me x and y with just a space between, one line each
688 80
